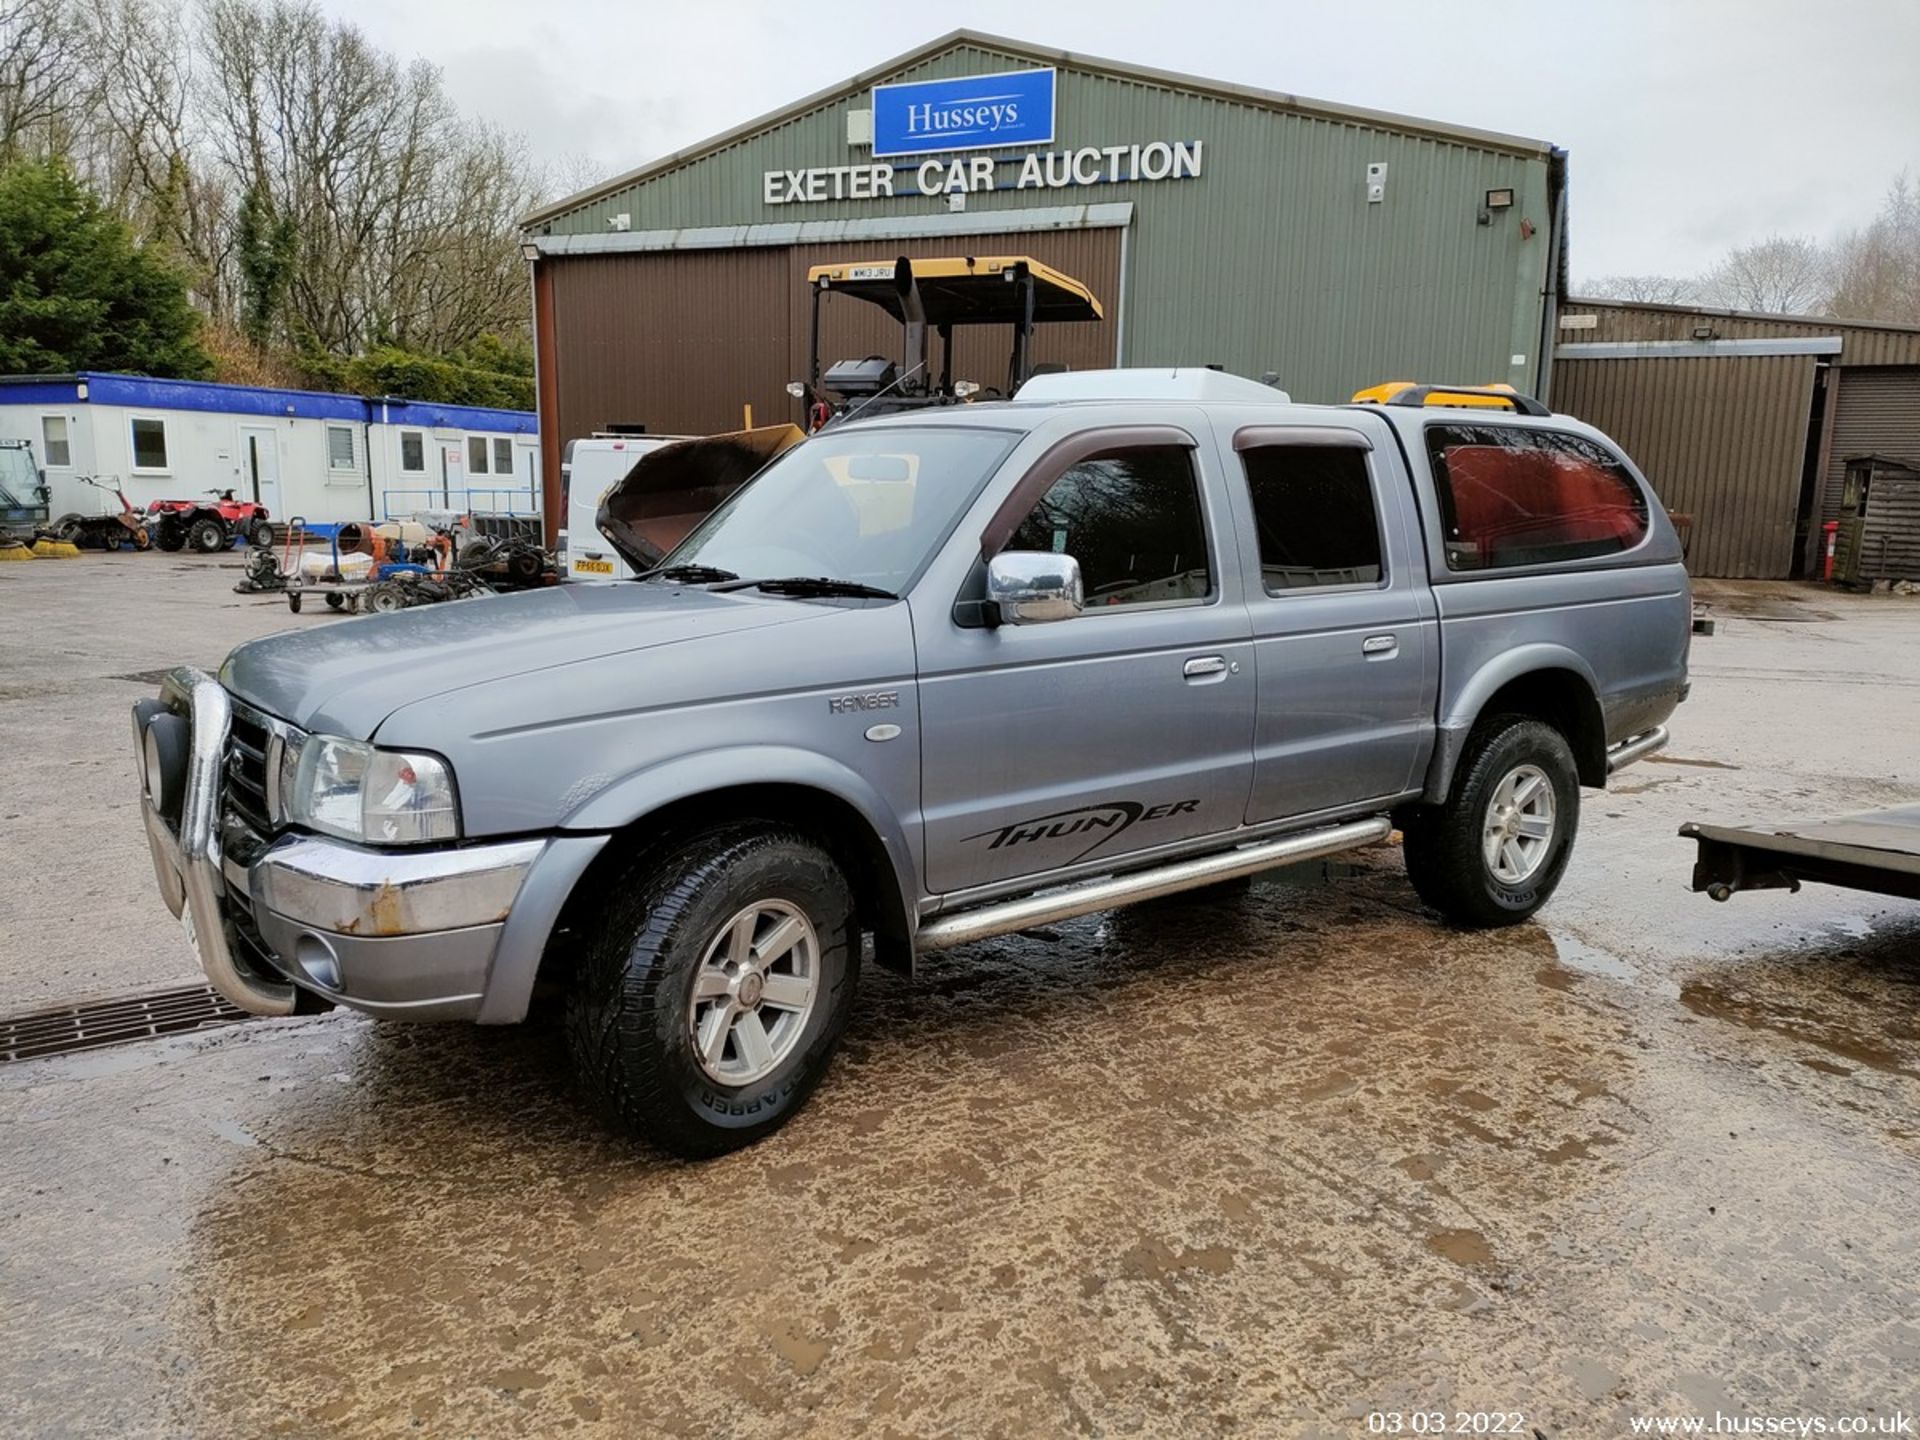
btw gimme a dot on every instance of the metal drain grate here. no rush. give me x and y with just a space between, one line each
113 1022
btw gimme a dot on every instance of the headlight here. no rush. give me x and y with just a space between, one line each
380 797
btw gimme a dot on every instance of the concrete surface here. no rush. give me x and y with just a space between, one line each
1254 1168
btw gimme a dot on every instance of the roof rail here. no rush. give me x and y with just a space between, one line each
1417 395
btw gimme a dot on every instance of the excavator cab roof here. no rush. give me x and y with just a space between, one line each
964 289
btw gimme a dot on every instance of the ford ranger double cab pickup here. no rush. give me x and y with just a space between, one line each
923 679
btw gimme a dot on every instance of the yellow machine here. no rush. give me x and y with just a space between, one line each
1496 395
932 297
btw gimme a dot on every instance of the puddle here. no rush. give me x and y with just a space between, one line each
1577 958
1795 1023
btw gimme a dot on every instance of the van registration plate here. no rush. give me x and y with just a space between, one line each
593 567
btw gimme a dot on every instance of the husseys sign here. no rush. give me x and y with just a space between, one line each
976 112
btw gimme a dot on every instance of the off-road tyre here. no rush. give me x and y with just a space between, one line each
1445 844
209 537
629 1004
169 535
260 534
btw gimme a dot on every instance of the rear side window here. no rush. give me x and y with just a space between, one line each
1513 496
1132 520
1313 508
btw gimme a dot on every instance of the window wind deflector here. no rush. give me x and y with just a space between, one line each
1259 437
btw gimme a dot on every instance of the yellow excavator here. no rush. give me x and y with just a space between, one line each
929 298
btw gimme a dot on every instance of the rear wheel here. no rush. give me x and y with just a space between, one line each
207 536
1495 852
714 988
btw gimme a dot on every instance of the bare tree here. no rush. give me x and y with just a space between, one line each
1877 270
1783 275
39 74
1647 289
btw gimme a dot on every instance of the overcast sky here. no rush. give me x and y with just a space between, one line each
1693 125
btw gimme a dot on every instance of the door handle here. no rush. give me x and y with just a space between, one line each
1380 647
1201 666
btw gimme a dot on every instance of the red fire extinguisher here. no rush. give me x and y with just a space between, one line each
1832 529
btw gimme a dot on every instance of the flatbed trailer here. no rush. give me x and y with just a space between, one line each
1877 851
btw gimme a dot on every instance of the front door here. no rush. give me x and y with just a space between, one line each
1125 728
260 466
1344 638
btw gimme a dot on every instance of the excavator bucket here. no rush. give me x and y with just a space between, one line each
671 489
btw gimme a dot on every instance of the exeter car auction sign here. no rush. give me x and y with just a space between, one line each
976 112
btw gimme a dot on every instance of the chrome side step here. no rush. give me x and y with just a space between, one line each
1637 748
1083 899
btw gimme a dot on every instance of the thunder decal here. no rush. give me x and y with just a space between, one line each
1103 822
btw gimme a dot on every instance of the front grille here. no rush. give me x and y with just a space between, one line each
246 771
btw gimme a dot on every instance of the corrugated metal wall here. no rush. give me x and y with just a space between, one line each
1722 438
1271 259
679 341
1860 344
1876 411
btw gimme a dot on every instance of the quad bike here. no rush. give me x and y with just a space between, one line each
103 532
210 528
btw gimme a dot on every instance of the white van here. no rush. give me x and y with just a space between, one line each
588 470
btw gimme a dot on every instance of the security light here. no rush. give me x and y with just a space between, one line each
529 250
1499 199
1703 332
797 389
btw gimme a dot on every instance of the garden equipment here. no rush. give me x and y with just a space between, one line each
103 532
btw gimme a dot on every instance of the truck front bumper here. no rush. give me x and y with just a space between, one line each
430 934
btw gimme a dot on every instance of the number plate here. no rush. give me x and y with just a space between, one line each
870 272
593 567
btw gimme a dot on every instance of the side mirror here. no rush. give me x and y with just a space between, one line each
1033 587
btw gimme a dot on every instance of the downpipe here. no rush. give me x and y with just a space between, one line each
1116 890
1636 748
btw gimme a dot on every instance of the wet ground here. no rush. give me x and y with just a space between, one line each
1256 1167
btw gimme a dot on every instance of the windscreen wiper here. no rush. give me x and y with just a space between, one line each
692 574
811 585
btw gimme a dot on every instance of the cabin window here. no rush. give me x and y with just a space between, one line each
53 433
149 444
340 447
502 455
413 452
476 454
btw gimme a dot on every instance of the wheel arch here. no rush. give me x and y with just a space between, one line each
1548 682
798 789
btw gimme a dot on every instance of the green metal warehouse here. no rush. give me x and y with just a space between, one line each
1216 224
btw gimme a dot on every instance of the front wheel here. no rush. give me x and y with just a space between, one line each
714 988
207 536
260 534
1495 852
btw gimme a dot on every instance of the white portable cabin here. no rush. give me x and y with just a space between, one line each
325 457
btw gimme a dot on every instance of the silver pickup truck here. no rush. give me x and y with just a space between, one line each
924 679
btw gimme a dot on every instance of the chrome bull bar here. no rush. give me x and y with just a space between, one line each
187 862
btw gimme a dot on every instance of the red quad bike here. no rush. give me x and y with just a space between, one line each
209 528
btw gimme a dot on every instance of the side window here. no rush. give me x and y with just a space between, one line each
1514 496
502 455
476 454
149 444
1132 520
340 447
413 452
53 432
1313 507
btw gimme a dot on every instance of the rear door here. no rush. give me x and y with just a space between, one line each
1345 641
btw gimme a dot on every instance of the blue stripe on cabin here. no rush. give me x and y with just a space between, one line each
139 392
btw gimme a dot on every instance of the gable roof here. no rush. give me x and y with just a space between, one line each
1022 50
